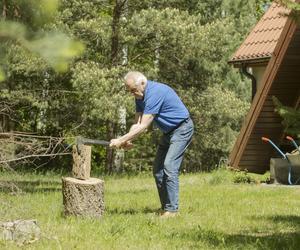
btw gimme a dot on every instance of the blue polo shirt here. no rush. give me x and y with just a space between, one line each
163 102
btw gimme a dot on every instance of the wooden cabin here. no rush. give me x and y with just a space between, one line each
270 55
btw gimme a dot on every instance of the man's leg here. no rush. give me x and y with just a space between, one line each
158 168
179 142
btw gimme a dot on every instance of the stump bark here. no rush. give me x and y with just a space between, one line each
81 162
83 197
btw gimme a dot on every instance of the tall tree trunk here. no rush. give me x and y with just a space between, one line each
117 12
4 10
115 160
110 128
120 154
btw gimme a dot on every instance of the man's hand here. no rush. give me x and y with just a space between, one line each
115 143
134 132
127 145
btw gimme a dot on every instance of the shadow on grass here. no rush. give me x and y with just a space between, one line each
258 239
29 186
131 211
290 220
132 192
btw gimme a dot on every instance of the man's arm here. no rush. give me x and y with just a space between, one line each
137 121
138 117
135 131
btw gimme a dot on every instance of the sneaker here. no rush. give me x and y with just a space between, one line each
168 214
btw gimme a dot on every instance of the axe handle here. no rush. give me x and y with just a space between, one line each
86 141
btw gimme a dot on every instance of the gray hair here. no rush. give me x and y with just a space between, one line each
136 77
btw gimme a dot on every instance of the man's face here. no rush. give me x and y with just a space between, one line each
137 91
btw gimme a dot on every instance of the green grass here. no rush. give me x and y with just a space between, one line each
216 213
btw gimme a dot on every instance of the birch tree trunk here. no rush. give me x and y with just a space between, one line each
120 153
116 159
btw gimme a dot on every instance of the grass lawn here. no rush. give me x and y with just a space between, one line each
216 213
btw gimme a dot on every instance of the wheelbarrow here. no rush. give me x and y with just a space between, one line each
293 142
287 167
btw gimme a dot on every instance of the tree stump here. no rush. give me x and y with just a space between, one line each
81 162
83 197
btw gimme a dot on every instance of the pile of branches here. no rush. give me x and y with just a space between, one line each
17 148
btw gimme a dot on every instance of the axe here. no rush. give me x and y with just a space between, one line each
85 141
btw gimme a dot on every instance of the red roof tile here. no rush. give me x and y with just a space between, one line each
261 41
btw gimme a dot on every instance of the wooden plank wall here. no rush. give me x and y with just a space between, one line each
286 87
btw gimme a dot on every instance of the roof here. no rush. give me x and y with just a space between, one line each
261 41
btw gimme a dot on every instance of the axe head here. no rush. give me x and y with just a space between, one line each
79 140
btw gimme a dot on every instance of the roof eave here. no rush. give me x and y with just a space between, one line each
250 62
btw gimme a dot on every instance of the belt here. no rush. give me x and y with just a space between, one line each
178 125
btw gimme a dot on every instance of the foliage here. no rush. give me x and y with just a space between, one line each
217 118
294 6
140 158
291 117
290 4
102 90
53 46
243 177
185 44
199 49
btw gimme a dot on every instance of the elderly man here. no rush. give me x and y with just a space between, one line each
159 103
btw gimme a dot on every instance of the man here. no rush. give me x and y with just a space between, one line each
159 103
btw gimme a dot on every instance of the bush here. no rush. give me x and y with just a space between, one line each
243 177
217 114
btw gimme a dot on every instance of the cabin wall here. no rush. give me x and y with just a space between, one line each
258 73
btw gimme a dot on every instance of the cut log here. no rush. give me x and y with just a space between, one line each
83 197
81 162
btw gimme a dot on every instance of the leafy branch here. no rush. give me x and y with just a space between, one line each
291 117
55 47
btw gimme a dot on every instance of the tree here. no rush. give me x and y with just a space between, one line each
27 47
183 43
218 118
294 6
291 117
53 46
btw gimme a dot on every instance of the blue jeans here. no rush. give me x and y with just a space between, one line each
167 163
